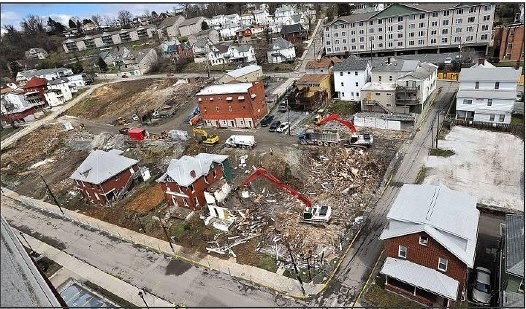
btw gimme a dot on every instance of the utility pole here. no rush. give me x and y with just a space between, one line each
141 295
288 114
27 242
295 267
165 232
52 195
438 129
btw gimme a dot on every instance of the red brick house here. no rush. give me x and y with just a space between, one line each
187 178
430 244
239 105
105 176
293 33
35 88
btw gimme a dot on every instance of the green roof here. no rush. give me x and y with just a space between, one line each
397 10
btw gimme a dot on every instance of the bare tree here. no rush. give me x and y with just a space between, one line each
33 24
125 18
96 19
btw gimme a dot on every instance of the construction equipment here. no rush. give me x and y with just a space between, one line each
356 140
206 138
194 120
316 215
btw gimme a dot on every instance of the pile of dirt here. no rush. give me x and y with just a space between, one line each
145 200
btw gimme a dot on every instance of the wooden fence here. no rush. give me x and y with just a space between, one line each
501 127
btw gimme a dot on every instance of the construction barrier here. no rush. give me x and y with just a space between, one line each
448 76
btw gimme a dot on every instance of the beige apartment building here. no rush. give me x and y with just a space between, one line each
415 27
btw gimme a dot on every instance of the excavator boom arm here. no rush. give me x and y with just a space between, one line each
336 117
262 172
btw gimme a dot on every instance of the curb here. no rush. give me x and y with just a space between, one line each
368 279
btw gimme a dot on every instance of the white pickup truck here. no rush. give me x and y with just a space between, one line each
241 141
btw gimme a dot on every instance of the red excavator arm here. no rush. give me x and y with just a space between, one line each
262 172
336 117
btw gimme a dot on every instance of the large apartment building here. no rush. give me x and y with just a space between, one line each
418 27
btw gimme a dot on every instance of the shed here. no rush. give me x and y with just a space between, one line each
137 134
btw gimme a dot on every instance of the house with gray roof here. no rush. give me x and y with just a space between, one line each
350 76
430 244
414 88
169 27
105 176
280 51
187 178
512 271
487 93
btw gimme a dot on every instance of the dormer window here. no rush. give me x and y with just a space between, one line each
423 240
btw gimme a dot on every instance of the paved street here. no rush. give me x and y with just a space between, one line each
173 280
362 256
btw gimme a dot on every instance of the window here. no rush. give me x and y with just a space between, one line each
471 19
492 117
329 50
344 41
402 251
353 40
341 73
420 42
192 187
380 45
434 23
400 19
490 102
361 24
390 28
521 286
484 37
485 18
355 73
379 29
458 30
435 14
477 84
353 32
467 101
377 94
400 35
400 27
487 7
379 78
217 108
458 20
412 17
380 21
362 31
343 94
371 30
229 108
501 118
390 36
356 84
444 40
380 37
422 16
343 33
420 25
444 31
399 43
337 42
343 26
445 22
420 33
460 11
336 35
328 42
469 38
341 84
362 39
412 26
485 27
446 13
497 84
411 43
473 10
442 264
362 47
390 78
348 73
423 240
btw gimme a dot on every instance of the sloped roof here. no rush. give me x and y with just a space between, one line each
280 43
450 217
35 82
323 63
288 29
180 169
225 89
244 70
58 81
170 21
515 245
312 78
420 276
101 165
191 21
222 48
351 63
354 18
479 73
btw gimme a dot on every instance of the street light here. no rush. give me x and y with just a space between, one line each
165 232
141 295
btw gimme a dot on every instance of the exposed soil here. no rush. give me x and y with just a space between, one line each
145 200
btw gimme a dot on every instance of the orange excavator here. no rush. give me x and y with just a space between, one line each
356 140
317 215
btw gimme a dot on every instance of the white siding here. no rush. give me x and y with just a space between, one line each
348 85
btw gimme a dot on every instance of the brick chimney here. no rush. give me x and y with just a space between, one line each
192 173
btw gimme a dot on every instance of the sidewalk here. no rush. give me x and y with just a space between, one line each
257 276
96 276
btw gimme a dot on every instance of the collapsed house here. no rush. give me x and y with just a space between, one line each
187 178
106 176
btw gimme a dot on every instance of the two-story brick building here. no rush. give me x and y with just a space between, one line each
430 244
105 176
238 105
35 90
187 178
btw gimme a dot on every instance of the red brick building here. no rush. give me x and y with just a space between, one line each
293 33
239 105
187 179
430 244
508 42
105 177
36 86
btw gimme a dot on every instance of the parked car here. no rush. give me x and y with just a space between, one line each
283 107
482 289
448 60
274 126
267 120
283 127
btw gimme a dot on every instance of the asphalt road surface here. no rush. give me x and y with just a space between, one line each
173 280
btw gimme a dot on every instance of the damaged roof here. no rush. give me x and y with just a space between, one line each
186 170
101 165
